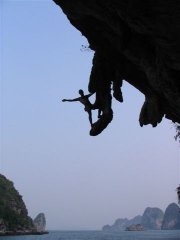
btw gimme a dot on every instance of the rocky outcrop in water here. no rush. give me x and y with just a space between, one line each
14 219
137 41
171 219
122 223
13 212
40 222
152 218
135 227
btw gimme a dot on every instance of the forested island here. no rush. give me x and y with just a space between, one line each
14 219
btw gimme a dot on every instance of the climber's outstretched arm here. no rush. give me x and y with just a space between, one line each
71 100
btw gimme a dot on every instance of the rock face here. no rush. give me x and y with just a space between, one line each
122 223
13 213
171 217
2 226
119 225
152 218
135 227
137 41
40 222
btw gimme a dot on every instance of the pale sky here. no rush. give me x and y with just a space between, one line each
78 181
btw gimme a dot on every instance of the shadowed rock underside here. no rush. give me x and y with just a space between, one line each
135 41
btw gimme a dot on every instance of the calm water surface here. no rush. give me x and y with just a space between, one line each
98 235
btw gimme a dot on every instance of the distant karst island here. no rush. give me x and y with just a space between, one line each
152 219
14 219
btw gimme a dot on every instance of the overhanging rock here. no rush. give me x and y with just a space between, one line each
137 41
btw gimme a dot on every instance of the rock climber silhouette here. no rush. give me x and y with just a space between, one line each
84 99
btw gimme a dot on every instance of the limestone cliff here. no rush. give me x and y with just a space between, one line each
135 227
13 212
40 222
122 224
152 218
137 41
171 217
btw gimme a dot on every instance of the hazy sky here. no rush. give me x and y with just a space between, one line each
78 181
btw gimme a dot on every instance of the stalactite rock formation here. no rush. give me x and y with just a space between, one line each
135 41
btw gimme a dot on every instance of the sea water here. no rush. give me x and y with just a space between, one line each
100 235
